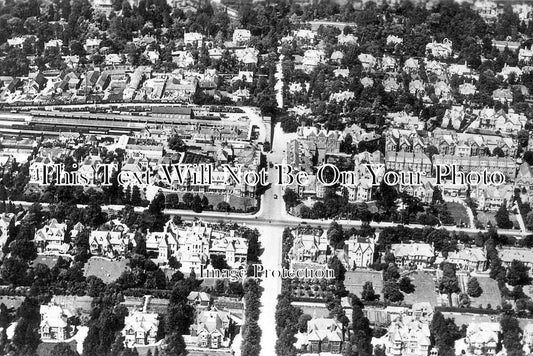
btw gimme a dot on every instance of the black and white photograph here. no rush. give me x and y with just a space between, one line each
266 177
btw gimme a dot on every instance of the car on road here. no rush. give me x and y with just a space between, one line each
275 196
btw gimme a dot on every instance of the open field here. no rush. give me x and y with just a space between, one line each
105 269
424 289
458 212
491 293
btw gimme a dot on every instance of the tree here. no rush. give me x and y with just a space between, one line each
336 265
335 235
177 144
518 274
219 262
197 205
302 322
26 337
95 286
391 292
13 270
392 273
473 288
502 217
368 294
406 285
444 332
512 334
136 196
291 198
4 316
172 201
223 206
63 349
187 199
448 283
360 340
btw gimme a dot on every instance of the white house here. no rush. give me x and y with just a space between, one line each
140 329
439 49
241 36
51 237
193 38
54 323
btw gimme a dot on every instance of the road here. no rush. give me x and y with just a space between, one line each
270 221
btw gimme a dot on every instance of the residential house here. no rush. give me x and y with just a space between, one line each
367 82
481 339
512 46
388 63
140 329
324 335
487 9
200 300
53 44
524 12
367 60
312 58
18 42
439 49
492 197
233 248
51 238
212 330
408 161
525 54
408 334
506 165
247 56
394 40
54 323
193 39
342 96
92 45
420 255
469 258
348 39
527 338
359 252
163 243
509 254
411 66
110 243
508 71
390 85
183 59
467 89
241 36
309 247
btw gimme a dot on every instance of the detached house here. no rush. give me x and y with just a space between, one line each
309 248
51 238
140 329
359 252
110 243
54 323
481 339
212 330
324 335
439 49
408 334
420 255
470 259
